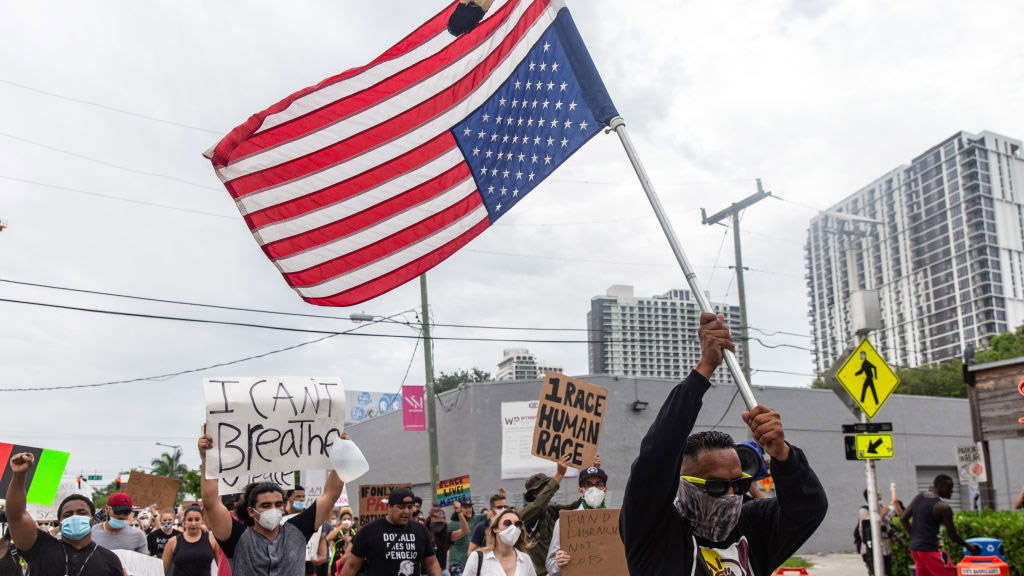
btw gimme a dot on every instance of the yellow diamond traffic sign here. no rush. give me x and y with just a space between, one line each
867 378
873 446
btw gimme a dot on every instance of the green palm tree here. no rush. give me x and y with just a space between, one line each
169 465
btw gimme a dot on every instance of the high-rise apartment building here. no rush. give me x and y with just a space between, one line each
521 364
650 336
946 254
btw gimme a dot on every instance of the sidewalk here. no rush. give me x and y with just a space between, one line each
835 565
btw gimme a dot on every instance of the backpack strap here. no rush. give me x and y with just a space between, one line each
479 562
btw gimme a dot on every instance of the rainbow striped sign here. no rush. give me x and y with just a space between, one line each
453 490
43 478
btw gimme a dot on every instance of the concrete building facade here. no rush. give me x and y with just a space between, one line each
649 336
521 364
946 253
926 433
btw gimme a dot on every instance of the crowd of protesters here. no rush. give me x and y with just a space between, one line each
687 506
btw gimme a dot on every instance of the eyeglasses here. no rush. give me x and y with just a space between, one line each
718 487
509 522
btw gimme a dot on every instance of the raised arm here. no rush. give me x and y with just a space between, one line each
463 530
21 525
217 517
539 506
332 490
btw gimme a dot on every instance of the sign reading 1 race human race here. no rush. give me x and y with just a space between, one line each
867 378
274 424
569 419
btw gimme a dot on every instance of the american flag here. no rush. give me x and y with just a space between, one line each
361 183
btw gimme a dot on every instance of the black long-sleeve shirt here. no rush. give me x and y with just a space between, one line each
659 541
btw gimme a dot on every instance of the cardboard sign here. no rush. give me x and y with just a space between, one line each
970 463
264 425
453 490
591 537
236 485
569 419
372 501
42 479
146 489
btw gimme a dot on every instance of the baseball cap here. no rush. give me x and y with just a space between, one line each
593 472
120 502
398 496
536 481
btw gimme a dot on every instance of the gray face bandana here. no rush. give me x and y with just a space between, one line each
710 518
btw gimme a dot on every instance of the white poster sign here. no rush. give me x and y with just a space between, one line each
517 460
136 564
48 513
970 464
312 481
235 485
276 424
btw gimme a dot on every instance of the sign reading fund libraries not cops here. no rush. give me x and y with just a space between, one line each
569 419
867 378
275 424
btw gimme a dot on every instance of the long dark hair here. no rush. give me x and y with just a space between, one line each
442 539
249 495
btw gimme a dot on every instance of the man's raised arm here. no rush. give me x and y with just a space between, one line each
217 517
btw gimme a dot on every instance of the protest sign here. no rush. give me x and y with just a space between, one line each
313 481
453 490
49 513
146 489
137 564
569 419
235 485
372 501
970 463
42 479
263 425
591 537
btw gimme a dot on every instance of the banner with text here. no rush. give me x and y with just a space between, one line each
453 490
591 537
373 503
414 418
569 419
517 460
236 484
265 425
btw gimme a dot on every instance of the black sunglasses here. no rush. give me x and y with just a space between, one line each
509 522
718 487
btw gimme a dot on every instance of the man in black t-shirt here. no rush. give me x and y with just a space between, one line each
75 553
393 545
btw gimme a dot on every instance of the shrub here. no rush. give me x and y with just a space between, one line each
1004 525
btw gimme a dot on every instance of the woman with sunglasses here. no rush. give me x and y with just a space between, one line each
505 551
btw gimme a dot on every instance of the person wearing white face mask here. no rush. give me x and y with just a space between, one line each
683 509
505 550
593 492
75 553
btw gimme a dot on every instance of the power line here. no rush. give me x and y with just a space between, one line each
111 108
109 164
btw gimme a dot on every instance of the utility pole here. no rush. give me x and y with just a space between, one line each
428 388
734 211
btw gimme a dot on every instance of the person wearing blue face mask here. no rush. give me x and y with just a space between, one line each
75 554
114 533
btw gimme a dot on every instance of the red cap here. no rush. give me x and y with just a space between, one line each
119 501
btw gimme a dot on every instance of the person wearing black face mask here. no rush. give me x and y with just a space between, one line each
162 534
683 510
443 537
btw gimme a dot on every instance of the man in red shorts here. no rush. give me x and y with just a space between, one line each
926 513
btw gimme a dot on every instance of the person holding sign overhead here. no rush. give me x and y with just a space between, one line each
698 523
258 543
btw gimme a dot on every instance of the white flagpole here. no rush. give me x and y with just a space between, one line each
619 125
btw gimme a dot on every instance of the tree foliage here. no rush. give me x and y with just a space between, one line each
944 379
1002 347
449 381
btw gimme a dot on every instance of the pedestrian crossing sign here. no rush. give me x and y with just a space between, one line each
867 378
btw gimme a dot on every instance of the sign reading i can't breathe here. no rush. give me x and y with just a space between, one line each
569 419
277 424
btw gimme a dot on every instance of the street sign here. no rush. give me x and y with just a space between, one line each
867 378
873 446
850 448
970 463
94 477
867 427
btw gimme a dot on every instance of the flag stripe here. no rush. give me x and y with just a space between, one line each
438 113
365 152
400 266
376 176
392 86
385 282
454 208
5 459
364 210
385 226
424 41
49 470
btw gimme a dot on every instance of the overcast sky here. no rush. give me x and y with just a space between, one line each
815 98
